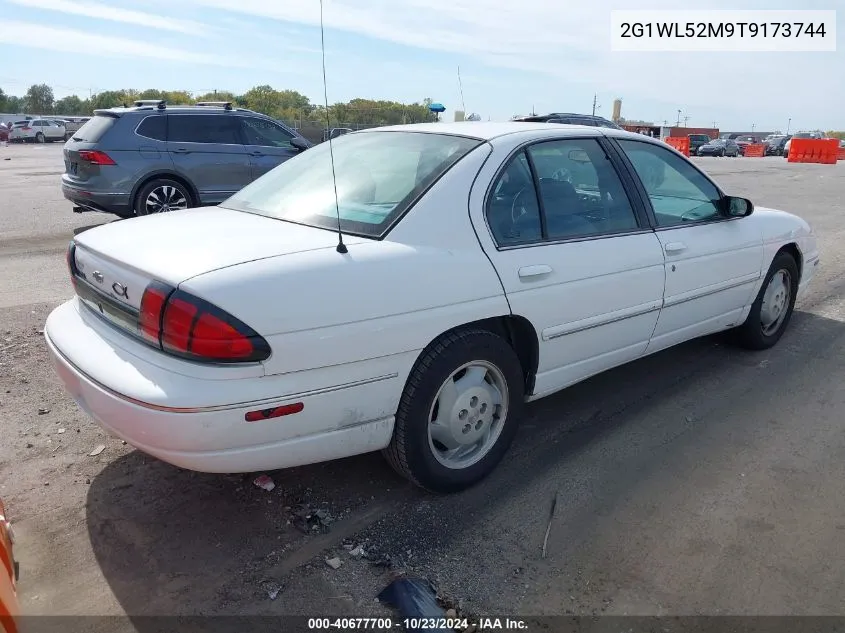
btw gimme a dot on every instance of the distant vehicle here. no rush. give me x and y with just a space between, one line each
745 141
4 132
539 255
788 143
9 606
569 118
719 147
775 145
72 124
154 158
37 131
696 141
335 132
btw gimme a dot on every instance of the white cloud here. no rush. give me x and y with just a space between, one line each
570 43
114 14
74 41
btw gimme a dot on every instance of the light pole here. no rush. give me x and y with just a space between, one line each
788 123
679 118
752 128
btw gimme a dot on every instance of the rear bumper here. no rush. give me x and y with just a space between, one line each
336 421
106 202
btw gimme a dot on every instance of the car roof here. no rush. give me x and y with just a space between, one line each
489 130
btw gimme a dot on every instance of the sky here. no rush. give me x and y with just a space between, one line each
514 57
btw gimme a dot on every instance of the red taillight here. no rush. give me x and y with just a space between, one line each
95 157
187 326
26 129
152 306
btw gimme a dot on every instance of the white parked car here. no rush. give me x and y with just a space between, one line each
484 265
37 131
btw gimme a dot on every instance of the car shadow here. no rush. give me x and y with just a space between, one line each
171 541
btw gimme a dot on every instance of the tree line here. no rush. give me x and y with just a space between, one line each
287 105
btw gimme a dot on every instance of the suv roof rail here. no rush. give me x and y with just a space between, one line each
226 105
161 104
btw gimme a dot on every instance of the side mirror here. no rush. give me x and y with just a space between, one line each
736 207
300 143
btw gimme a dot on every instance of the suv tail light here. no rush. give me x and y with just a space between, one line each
95 157
184 325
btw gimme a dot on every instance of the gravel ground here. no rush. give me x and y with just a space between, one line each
701 480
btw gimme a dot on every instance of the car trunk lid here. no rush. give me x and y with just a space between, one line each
113 264
176 246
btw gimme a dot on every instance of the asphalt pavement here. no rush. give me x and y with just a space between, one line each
701 480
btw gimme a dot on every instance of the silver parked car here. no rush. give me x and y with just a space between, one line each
37 131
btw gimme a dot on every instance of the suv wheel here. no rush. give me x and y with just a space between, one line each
161 196
39 138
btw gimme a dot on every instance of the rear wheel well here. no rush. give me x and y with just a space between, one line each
521 336
792 249
164 176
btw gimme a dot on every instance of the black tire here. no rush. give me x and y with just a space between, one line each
409 451
39 138
722 154
139 203
751 334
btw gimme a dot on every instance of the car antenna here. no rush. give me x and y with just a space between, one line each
341 247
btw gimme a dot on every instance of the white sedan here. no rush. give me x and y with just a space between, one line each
482 266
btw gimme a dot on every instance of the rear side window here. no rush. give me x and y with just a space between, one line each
95 129
202 128
154 127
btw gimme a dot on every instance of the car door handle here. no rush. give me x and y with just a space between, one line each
534 271
674 247
256 153
181 150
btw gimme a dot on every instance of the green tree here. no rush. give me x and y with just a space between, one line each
178 97
4 101
39 99
218 95
15 105
263 99
70 105
108 99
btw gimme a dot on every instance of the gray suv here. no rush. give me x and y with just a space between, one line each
152 158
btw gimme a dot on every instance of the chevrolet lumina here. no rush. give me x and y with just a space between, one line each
483 266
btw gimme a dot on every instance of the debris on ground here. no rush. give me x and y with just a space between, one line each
61 431
307 520
348 544
412 598
43 411
549 526
97 450
265 482
334 563
273 592
357 552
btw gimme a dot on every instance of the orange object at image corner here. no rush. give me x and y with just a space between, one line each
9 609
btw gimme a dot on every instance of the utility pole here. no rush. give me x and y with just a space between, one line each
788 124
594 104
686 118
679 118
752 127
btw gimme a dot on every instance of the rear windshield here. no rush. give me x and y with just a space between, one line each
699 137
20 123
378 174
94 129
